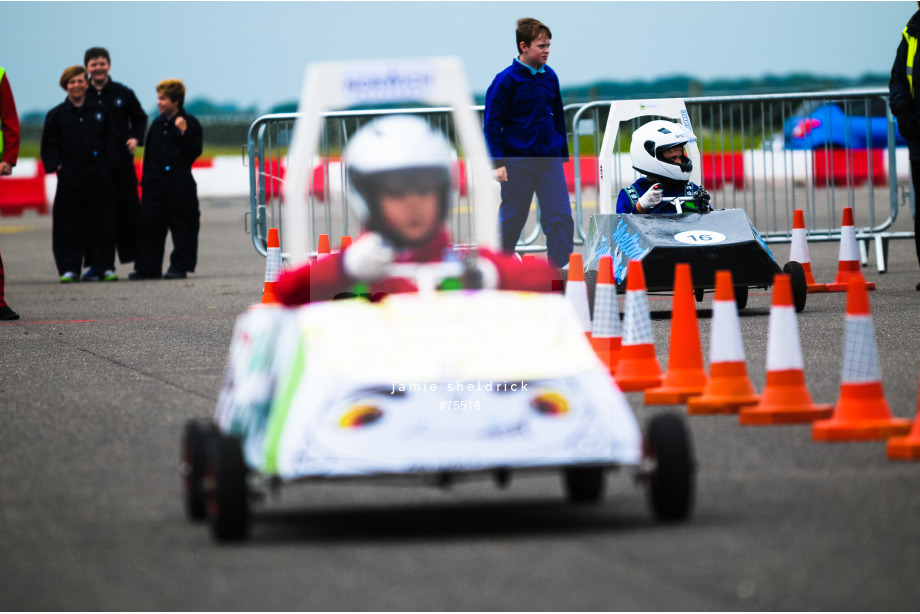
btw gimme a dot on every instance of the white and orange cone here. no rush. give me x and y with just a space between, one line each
862 413
685 376
848 261
785 399
346 241
729 387
576 292
272 269
798 252
606 336
906 448
638 366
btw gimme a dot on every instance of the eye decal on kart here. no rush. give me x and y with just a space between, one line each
550 404
360 415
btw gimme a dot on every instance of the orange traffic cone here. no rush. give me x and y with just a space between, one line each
685 376
272 269
605 328
322 245
906 448
729 387
346 241
785 399
848 261
576 291
638 366
862 413
799 251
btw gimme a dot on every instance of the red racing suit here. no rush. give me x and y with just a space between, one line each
326 278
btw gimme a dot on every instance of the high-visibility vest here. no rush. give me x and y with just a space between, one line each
911 53
2 71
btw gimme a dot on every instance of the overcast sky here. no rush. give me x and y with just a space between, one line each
255 53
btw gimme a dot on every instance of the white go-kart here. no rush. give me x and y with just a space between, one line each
437 386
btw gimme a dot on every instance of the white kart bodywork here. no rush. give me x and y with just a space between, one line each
422 383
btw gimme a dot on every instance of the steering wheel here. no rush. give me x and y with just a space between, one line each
427 276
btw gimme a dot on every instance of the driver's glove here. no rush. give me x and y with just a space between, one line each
704 201
651 199
368 257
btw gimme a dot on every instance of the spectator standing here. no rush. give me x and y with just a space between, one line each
905 106
170 195
525 131
130 126
79 144
9 154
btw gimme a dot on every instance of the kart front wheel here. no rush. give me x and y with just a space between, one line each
741 297
228 496
671 482
796 274
583 484
194 454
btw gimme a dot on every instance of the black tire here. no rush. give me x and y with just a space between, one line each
796 274
671 483
741 296
699 293
194 454
584 485
228 500
591 282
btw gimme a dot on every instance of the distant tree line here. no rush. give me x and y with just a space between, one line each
227 125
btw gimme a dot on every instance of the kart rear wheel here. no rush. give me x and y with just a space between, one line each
741 297
796 274
584 485
671 482
228 496
194 454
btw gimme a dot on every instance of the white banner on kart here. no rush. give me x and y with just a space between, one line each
452 381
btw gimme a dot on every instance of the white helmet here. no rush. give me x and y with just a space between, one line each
649 140
396 154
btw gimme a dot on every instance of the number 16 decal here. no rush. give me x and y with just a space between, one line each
699 237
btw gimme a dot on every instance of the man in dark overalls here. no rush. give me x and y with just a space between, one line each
170 195
79 144
130 126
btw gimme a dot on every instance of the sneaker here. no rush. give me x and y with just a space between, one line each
90 275
110 275
174 273
8 314
138 276
69 277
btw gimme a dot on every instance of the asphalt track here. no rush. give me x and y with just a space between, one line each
96 381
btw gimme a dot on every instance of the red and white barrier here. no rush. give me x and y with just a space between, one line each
226 176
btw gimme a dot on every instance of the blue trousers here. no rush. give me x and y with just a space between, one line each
544 177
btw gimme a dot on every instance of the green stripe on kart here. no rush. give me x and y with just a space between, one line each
281 408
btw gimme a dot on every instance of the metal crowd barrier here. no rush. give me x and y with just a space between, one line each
267 151
267 148
750 159
772 154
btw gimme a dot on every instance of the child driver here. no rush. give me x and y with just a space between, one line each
399 174
657 150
